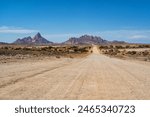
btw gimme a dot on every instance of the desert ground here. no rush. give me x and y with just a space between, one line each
95 76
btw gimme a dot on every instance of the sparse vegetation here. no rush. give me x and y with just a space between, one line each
129 46
38 51
130 51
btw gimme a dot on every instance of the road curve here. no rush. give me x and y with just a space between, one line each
93 77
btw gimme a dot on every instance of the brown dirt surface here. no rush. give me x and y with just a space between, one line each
92 77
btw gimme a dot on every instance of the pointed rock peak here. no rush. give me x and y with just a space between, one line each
37 39
38 35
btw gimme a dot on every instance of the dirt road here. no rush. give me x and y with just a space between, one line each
93 77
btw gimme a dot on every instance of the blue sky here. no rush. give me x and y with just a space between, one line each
57 20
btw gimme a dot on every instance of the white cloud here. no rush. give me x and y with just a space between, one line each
125 35
16 30
138 37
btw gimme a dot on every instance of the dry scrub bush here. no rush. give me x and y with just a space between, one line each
38 51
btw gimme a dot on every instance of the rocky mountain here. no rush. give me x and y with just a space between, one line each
25 40
37 39
86 39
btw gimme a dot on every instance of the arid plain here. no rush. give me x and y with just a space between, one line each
93 76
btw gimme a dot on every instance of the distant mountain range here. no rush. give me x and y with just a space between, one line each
37 39
85 39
